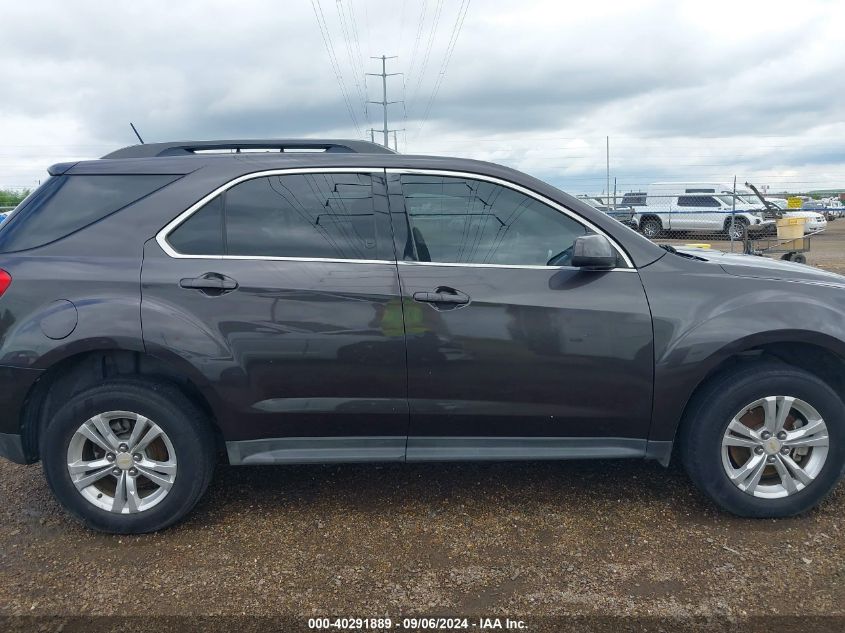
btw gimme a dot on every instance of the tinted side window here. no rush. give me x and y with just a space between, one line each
202 233
634 200
309 215
70 203
461 220
697 201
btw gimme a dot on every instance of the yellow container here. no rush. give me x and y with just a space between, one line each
790 228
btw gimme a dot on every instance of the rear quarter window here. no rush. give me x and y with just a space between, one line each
65 204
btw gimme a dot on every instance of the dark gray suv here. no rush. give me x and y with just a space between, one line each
331 301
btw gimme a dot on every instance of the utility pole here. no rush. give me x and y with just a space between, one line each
608 166
384 102
614 193
395 141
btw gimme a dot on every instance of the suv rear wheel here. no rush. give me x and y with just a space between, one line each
128 456
651 227
736 229
765 440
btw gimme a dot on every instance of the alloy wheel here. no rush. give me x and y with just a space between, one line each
121 462
650 229
775 447
736 231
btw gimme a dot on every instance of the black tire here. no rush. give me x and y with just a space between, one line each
737 230
185 424
713 407
651 227
799 258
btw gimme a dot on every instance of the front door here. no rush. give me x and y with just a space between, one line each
513 353
281 294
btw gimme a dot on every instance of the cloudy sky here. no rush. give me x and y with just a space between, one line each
689 90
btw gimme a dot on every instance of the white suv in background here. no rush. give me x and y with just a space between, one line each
699 207
813 220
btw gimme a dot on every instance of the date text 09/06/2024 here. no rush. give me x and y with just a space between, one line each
419 623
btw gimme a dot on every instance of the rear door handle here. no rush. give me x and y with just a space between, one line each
442 295
210 283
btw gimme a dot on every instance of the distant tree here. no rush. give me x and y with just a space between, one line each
10 198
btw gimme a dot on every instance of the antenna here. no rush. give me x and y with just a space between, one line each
132 125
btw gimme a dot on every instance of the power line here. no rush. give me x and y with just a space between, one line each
327 42
417 39
401 31
350 53
437 11
450 48
354 21
367 27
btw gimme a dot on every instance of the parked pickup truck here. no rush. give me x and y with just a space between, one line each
700 207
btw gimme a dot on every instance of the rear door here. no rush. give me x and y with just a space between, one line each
698 212
279 293
508 356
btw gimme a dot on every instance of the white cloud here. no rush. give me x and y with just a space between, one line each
684 89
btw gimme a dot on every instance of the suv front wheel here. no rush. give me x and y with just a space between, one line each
765 440
128 456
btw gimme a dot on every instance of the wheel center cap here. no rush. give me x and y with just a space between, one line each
772 445
124 461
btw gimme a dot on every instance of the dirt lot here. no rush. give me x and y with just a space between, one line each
572 537
591 538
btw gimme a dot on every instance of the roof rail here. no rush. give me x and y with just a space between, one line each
189 148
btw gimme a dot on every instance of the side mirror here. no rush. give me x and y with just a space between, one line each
593 252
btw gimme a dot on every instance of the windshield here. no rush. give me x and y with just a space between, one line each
596 204
741 198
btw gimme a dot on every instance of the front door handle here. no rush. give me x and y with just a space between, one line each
210 283
442 296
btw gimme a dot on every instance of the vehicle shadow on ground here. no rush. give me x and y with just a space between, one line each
372 486
440 488
621 489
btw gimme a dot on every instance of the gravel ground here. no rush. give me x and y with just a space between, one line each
594 538
611 538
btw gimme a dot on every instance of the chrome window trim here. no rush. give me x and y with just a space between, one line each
527 192
161 236
513 266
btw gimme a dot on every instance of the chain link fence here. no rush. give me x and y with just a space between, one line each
732 219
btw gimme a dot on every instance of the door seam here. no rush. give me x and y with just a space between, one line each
402 308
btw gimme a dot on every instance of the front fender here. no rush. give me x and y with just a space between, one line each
703 318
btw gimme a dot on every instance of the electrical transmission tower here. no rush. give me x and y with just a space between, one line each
395 139
384 102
